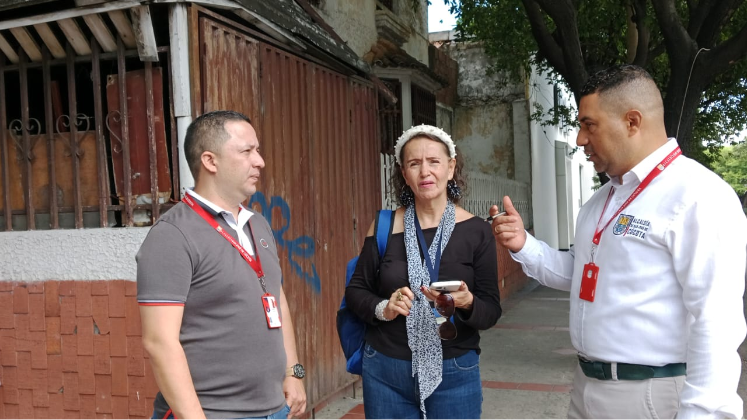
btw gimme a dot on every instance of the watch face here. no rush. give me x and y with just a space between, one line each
299 371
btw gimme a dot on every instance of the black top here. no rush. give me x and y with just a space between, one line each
470 255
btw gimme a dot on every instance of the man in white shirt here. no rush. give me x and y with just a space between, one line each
656 276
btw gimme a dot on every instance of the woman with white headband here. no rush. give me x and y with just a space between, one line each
421 356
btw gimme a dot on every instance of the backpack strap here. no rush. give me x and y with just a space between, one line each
383 229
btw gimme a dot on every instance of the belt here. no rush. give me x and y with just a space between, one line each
628 372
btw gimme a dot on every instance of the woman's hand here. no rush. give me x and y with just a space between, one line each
462 297
399 303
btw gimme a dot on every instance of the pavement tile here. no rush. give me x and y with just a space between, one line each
536 387
500 385
527 361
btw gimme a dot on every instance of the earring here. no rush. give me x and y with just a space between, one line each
453 190
406 196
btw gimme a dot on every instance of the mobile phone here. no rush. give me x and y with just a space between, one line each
446 286
490 218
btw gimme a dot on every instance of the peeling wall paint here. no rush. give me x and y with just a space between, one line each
85 254
353 20
484 135
483 125
475 86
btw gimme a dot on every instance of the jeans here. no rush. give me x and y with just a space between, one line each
390 391
282 414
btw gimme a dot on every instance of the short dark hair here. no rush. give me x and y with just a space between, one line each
614 77
623 87
208 133
398 182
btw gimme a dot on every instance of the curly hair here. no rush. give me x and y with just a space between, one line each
398 182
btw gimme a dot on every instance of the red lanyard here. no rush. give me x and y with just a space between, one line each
254 263
653 174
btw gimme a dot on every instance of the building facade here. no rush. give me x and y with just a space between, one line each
95 98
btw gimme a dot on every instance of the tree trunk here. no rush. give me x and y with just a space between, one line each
681 102
681 127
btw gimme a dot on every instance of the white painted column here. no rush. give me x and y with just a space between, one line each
544 193
563 179
179 50
522 141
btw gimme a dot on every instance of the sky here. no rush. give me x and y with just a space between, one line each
438 12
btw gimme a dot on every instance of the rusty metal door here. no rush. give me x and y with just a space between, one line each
229 69
320 187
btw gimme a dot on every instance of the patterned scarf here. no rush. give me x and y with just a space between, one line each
422 333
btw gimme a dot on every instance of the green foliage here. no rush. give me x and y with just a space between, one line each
723 114
731 165
503 26
597 183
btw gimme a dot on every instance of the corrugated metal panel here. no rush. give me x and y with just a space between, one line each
365 158
317 132
229 68
332 172
305 142
287 188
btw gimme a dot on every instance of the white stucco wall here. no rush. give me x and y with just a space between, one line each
544 192
84 254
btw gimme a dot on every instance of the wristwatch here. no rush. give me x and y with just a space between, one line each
296 371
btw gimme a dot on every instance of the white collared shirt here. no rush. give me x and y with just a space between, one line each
671 279
244 216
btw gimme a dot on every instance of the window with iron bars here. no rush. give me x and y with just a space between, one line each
423 106
82 142
390 116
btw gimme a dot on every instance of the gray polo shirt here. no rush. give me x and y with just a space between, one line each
237 363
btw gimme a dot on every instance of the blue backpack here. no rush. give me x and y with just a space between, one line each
350 328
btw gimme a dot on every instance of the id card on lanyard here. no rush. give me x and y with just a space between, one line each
590 274
269 303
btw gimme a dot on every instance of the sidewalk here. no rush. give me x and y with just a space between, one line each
527 361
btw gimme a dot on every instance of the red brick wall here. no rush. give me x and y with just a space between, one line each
72 349
511 277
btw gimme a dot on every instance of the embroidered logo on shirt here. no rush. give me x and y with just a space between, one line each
622 224
628 225
264 243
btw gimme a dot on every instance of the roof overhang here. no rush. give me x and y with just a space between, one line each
283 20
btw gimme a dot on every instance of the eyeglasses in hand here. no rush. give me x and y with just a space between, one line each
445 306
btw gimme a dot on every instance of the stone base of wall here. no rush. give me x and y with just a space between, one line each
72 349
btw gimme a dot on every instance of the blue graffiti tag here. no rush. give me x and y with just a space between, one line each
301 247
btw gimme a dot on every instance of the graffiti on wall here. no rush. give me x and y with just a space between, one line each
300 248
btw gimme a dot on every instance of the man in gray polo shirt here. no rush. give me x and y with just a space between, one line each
215 319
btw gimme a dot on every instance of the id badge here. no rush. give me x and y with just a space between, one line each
589 282
271 311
